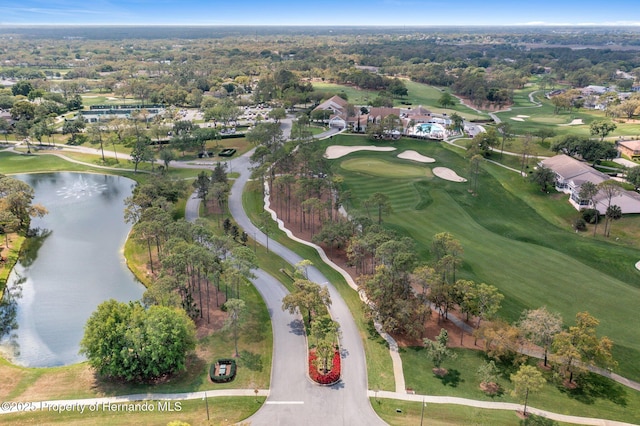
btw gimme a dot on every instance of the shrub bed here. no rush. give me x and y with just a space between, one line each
324 379
229 373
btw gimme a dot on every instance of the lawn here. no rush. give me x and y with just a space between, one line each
513 237
599 397
221 411
405 413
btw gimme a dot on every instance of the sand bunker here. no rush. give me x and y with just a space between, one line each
415 156
337 151
517 118
522 116
447 174
575 122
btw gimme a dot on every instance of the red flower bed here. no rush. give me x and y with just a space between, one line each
324 379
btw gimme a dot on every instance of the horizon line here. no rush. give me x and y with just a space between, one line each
525 24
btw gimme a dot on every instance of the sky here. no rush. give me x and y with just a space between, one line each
321 12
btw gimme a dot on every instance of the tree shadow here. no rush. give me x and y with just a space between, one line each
452 378
594 386
297 327
251 360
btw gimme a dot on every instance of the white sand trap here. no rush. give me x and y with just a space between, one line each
517 118
447 174
522 116
576 121
337 151
638 266
415 156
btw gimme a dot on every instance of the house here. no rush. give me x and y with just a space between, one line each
629 148
338 108
571 174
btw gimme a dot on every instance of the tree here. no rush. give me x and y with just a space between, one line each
579 346
381 202
540 326
633 176
487 301
236 309
126 341
484 142
502 341
526 380
544 134
507 134
324 328
308 298
457 122
614 212
140 152
488 372
474 164
446 100
202 185
589 191
8 223
167 156
16 198
437 351
277 114
609 189
95 132
543 176
601 128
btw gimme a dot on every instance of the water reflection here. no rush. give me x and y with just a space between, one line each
32 244
74 263
9 315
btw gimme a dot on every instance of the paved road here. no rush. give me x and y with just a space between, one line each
293 398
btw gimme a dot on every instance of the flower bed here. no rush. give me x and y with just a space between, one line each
324 379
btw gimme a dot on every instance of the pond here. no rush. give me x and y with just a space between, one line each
74 263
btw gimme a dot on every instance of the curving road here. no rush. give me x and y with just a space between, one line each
293 398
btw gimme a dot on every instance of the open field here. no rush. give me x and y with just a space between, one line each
511 242
419 94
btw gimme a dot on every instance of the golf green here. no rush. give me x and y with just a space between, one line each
383 168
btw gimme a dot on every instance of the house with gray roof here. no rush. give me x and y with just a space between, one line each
571 174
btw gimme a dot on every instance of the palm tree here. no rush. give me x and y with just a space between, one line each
614 212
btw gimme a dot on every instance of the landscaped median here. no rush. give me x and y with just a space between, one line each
324 375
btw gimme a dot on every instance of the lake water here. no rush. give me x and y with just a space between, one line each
75 264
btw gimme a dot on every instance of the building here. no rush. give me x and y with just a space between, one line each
629 148
571 174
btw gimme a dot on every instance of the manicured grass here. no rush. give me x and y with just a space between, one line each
222 411
544 117
382 168
599 397
440 414
509 242
419 94
428 96
17 163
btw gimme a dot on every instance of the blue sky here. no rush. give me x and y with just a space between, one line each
321 12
